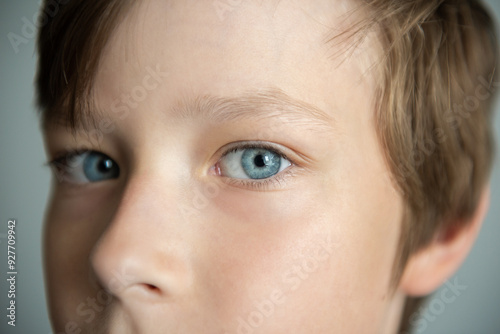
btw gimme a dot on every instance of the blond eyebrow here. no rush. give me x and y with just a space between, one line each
260 105
254 105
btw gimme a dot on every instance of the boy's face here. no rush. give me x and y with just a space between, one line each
182 236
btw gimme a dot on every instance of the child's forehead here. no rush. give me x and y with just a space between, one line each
197 48
279 32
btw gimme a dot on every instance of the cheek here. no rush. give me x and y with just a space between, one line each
72 228
316 244
365 223
254 243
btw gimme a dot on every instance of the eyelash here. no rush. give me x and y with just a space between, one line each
61 159
61 164
273 182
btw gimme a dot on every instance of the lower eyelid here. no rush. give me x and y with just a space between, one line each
275 182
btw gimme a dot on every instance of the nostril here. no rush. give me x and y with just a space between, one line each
142 290
152 288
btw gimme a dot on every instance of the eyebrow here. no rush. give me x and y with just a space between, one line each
259 105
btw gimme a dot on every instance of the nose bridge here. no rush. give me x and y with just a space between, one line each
145 246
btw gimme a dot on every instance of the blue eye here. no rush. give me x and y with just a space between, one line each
252 163
85 167
99 167
260 163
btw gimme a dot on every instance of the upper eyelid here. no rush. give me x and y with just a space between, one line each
255 144
62 157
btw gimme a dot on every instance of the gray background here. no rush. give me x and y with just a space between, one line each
24 190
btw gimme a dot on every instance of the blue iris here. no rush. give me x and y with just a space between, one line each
260 163
99 167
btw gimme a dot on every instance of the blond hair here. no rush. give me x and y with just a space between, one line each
434 112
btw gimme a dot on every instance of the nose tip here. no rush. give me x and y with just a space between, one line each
133 279
119 272
134 267
144 269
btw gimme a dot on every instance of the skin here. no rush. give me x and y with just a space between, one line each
174 246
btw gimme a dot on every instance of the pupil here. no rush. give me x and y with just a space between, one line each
259 161
105 165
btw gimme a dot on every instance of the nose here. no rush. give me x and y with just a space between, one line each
143 255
